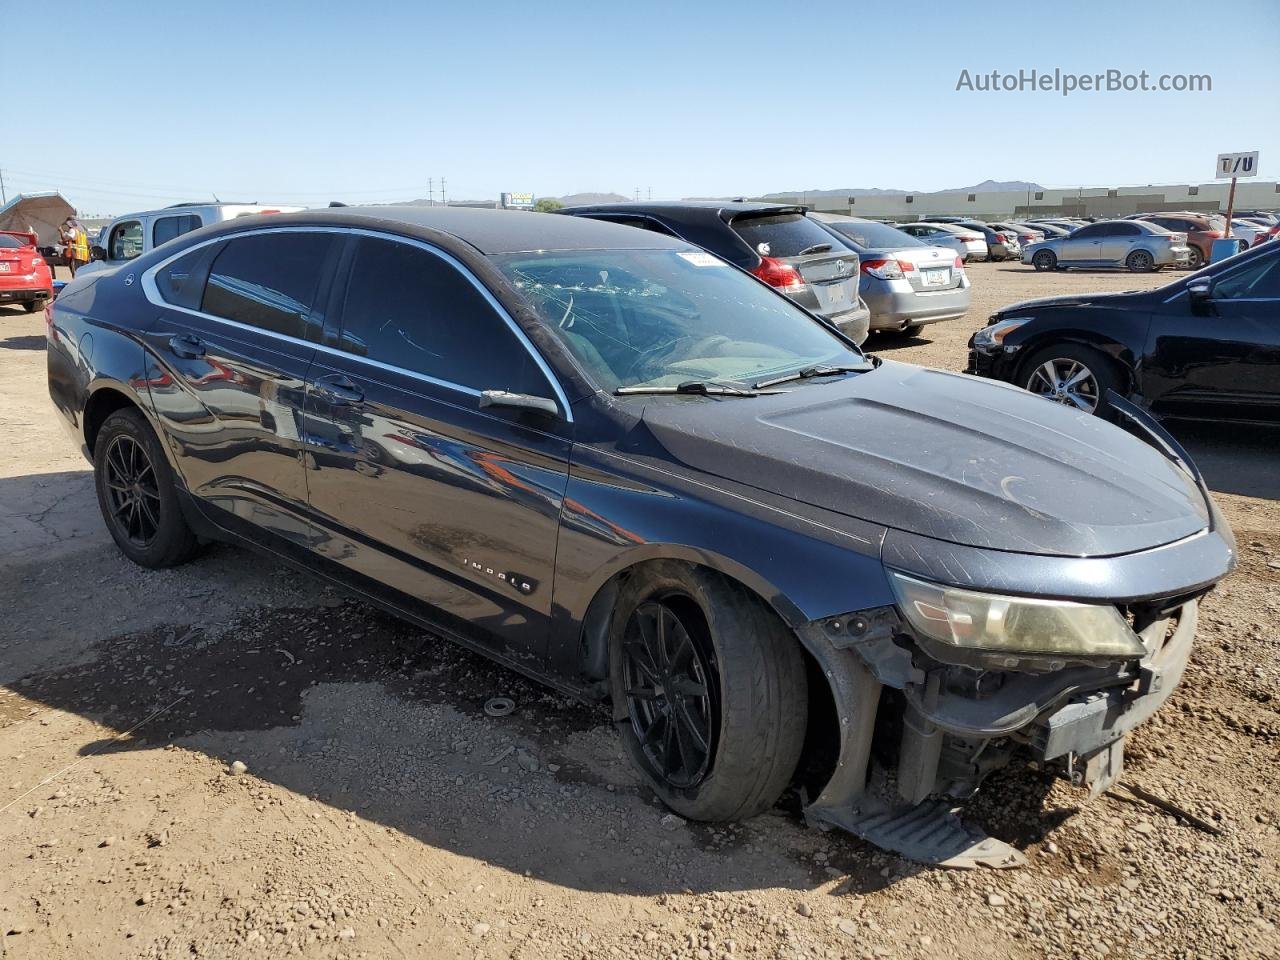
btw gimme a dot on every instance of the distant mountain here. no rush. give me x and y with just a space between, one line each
986 186
581 199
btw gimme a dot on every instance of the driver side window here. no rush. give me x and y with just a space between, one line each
125 241
1258 281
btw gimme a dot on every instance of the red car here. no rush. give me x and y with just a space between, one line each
24 276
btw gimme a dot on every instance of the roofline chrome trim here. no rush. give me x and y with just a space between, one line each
152 292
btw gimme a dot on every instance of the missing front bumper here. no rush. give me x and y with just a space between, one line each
1079 717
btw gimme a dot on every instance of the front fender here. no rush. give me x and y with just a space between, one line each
619 512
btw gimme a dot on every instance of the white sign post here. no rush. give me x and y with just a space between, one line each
1235 165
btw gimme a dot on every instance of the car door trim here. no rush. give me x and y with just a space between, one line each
152 292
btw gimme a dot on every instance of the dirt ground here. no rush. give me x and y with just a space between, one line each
380 813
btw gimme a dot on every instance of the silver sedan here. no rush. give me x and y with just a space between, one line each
905 283
1133 244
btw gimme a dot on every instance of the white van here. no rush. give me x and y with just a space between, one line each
138 233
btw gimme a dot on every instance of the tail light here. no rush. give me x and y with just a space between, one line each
884 269
36 261
1213 234
959 264
778 274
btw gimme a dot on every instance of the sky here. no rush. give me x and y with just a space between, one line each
289 102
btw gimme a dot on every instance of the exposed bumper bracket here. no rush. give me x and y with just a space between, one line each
928 833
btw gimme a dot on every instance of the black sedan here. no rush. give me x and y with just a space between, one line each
1206 346
618 464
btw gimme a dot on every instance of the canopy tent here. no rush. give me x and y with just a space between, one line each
43 212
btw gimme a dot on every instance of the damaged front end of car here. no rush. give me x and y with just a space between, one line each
967 707
1059 663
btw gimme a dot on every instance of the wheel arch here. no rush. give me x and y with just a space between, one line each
103 400
1113 349
593 624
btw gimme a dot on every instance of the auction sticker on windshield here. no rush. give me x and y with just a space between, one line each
700 259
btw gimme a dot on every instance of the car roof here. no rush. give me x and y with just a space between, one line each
487 231
690 210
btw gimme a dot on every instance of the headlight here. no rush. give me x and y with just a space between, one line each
993 336
1016 625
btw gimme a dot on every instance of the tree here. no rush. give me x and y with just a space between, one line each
547 205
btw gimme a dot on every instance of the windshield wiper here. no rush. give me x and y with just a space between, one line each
808 373
816 248
696 388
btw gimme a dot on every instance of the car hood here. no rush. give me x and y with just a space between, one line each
1121 300
942 455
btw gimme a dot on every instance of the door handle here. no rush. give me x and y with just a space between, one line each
187 346
338 389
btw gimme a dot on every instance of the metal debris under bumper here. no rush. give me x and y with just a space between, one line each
930 832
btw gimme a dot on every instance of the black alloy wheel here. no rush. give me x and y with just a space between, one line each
133 493
670 684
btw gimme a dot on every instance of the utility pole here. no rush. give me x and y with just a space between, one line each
4 197
431 191
443 199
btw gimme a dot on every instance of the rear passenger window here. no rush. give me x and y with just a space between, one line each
166 228
786 234
413 310
267 280
181 283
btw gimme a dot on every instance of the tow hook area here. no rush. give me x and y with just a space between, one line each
1098 770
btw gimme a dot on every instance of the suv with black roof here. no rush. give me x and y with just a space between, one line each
775 243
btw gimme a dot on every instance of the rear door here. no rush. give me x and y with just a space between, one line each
1226 363
1084 246
1119 240
413 483
828 268
230 354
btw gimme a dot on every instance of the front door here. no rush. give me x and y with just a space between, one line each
233 355
1224 360
413 484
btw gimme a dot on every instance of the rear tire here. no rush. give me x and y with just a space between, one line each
1196 260
29 306
912 329
1045 260
1140 262
733 673
136 493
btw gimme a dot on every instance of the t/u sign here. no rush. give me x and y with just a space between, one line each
1232 165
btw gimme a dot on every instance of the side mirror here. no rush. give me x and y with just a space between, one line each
97 252
518 401
1200 295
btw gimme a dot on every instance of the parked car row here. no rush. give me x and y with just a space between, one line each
608 456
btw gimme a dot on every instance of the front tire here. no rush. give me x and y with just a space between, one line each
709 691
136 493
1045 260
1073 375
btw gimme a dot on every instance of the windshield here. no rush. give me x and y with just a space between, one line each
660 318
10 242
874 235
